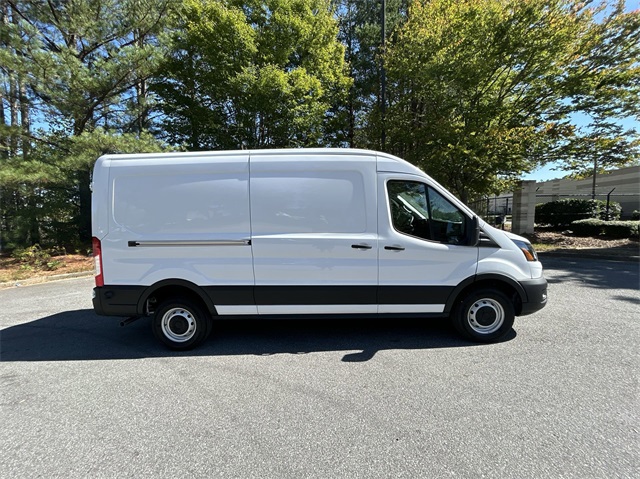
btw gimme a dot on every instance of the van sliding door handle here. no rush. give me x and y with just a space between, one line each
394 248
361 246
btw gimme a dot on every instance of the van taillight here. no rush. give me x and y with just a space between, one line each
97 258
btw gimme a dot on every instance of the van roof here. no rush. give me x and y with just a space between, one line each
261 152
385 161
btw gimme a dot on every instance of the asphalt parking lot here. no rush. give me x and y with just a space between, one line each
83 397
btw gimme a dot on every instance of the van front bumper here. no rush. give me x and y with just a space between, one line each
117 300
536 291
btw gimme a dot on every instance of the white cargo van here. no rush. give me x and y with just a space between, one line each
188 237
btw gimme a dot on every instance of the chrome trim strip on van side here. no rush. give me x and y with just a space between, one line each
410 308
349 308
244 242
240 310
318 309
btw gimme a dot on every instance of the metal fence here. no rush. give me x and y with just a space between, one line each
496 209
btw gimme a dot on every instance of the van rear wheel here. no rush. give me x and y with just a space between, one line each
181 324
485 316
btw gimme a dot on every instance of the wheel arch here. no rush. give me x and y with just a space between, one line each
172 288
507 285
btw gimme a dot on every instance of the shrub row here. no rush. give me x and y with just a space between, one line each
609 229
564 212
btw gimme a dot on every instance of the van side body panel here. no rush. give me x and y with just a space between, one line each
282 232
187 219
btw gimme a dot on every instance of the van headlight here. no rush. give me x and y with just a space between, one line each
527 250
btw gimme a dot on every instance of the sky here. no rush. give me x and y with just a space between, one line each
549 171
545 173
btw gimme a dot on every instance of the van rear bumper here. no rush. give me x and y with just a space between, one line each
536 291
117 300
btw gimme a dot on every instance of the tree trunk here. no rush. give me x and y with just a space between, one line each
4 144
142 114
84 196
13 114
34 223
25 120
83 179
4 20
3 141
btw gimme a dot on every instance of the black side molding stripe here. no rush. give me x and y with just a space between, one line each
128 300
223 242
298 295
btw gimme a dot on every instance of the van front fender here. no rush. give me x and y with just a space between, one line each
488 279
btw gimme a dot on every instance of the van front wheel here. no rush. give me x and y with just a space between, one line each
484 316
181 324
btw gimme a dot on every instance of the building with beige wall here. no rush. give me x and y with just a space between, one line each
625 183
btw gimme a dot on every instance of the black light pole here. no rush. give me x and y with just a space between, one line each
383 76
595 171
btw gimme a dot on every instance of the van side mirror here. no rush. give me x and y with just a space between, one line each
473 231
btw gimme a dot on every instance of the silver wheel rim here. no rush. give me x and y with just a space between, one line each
178 325
485 316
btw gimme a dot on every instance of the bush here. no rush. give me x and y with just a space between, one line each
590 227
635 215
35 257
609 229
565 212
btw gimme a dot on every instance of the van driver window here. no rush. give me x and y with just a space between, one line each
419 210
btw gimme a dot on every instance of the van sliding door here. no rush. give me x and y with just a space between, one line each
314 234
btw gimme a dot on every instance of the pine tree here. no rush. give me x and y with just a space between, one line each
81 67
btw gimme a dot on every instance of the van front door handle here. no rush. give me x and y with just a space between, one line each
361 246
394 248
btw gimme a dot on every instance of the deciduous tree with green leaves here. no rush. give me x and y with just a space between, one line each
257 74
604 87
483 91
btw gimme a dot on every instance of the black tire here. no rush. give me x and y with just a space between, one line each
484 316
181 324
